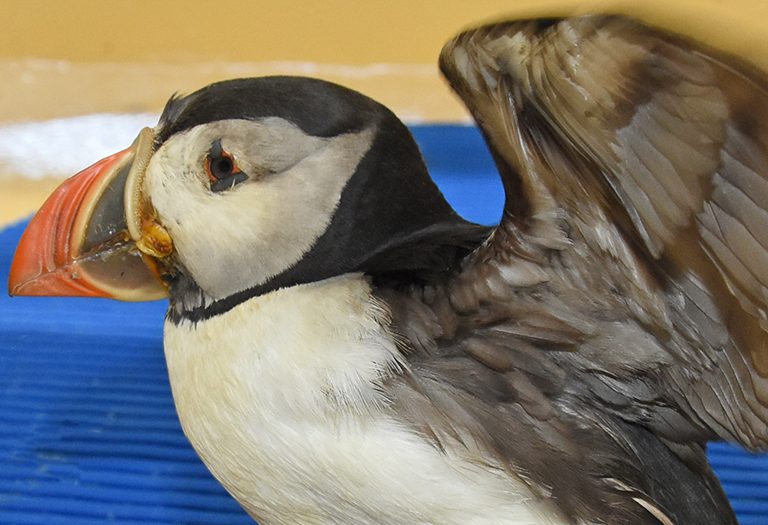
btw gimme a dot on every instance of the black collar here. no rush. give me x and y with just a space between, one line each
424 256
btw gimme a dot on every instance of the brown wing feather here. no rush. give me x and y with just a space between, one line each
641 156
614 321
682 140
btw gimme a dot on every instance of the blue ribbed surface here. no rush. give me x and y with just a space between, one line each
88 433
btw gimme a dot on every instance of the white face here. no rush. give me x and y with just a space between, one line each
240 237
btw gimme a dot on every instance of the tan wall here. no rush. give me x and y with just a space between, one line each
130 55
122 55
330 31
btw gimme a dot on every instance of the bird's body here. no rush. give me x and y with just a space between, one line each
344 348
282 398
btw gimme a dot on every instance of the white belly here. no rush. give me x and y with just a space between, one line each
278 396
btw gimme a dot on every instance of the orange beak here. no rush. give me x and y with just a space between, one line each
85 239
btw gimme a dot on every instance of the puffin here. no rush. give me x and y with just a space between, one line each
344 348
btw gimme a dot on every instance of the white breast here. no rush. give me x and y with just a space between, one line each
279 398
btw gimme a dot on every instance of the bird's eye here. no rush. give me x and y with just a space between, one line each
221 168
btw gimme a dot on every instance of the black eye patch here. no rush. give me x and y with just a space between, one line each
222 169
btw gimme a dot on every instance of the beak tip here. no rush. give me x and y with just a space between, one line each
15 278
13 286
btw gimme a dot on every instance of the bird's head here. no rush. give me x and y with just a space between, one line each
243 187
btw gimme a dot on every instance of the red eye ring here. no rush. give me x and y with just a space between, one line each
222 169
220 164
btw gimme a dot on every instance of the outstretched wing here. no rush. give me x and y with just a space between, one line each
635 164
615 320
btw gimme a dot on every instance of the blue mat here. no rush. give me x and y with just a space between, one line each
88 432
